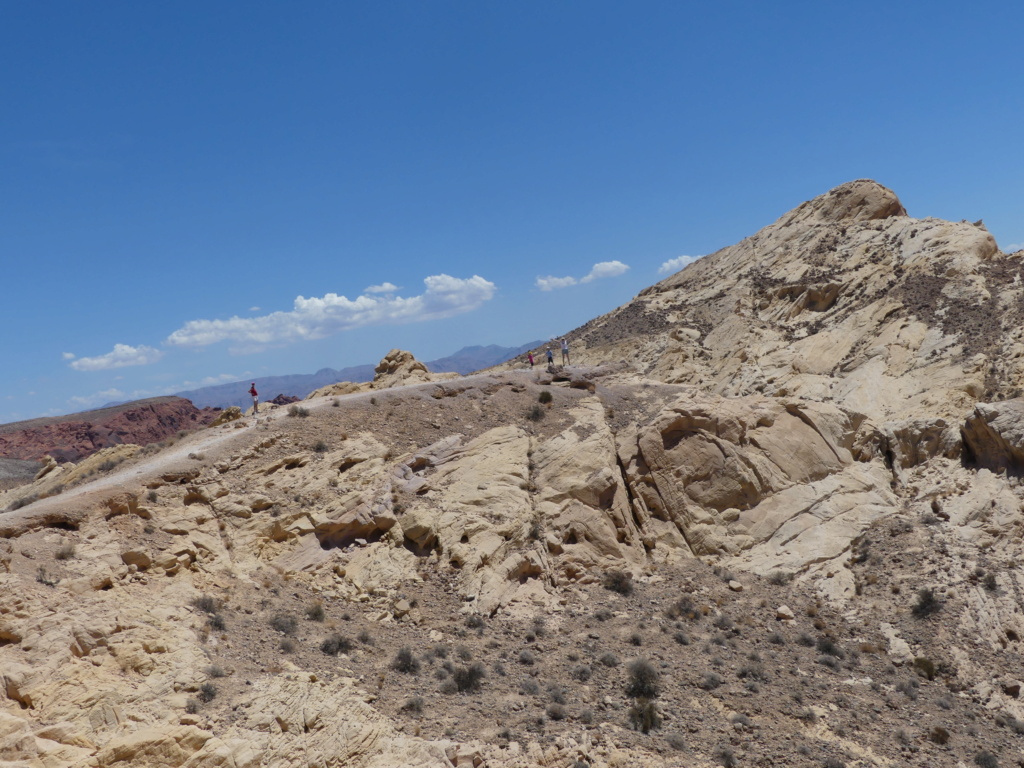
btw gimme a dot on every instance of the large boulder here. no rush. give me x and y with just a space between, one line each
994 435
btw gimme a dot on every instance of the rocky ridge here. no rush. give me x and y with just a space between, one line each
789 535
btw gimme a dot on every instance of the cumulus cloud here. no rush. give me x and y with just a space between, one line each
383 288
315 318
674 265
121 356
599 270
68 355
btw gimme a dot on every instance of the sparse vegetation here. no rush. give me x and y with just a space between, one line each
284 623
927 604
535 413
44 578
298 411
320 446
469 678
620 582
406 661
545 397
315 612
66 551
207 692
336 644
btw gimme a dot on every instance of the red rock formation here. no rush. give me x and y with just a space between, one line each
73 437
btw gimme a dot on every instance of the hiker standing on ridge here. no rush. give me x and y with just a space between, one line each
551 356
255 399
565 352
529 356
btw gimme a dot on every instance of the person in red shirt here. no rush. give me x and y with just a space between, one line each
255 398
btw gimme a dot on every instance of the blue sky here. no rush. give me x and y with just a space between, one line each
204 192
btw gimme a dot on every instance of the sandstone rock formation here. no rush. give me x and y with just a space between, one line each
787 532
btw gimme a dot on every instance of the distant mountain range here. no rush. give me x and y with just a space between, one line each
466 360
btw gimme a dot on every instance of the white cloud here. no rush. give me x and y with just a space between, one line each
254 309
599 270
121 356
383 288
68 355
1014 247
550 283
316 318
674 265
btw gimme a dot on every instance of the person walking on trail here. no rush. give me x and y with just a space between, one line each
565 352
255 399
529 356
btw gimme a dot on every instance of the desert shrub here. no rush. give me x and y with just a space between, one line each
925 667
474 621
643 716
779 578
603 614
989 582
986 759
152 496
827 645
620 582
440 651
682 638
413 704
833 762
526 657
710 681
726 757
581 673
829 661
216 622
365 637
776 639
938 735
283 623
535 413
927 604
191 707
805 640
298 410
207 693
643 680
463 653
405 661
683 608
557 694
676 741
753 671
66 551
545 397
315 612
636 638
336 644
723 622
287 645
107 465
609 659
909 688
529 687
469 678
206 604
320 446
555 711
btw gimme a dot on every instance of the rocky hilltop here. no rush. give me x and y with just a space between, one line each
74 437
772 517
